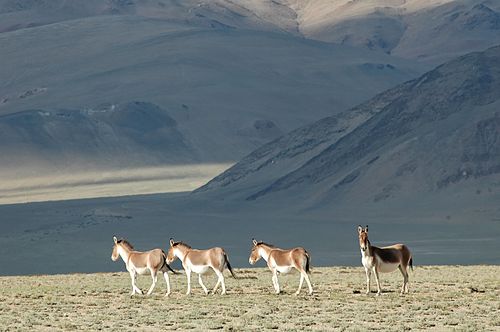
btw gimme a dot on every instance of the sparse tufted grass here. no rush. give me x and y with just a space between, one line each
441 298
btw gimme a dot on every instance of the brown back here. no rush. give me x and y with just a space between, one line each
213 257
297 257
154 259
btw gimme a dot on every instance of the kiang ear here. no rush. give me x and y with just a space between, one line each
366 229
171 242
254 242
360 229
115 239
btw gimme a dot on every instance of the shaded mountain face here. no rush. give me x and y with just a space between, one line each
426 137
228 91
257 15
232 75
134 133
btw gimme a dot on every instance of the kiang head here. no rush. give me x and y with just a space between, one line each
254 254
170 253
123 244
178 247
363 237
115 254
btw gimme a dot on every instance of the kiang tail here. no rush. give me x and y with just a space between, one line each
226 260
166 264
308 263
411 263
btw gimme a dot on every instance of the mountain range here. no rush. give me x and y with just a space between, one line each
217 85
244 72
317 115
432 141
430 31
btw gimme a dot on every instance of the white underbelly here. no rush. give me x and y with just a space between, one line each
284 269
200 269
387 267
141 270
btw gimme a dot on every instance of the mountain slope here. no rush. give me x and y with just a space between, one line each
434 135
219 85
107 136
232 75
429 31
260 15
424 30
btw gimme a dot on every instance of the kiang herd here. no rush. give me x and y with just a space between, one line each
375 260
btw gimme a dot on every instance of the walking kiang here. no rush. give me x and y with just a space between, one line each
149 262
386 259
282 261
200 261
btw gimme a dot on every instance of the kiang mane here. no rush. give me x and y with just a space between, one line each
180 243
266 244
126 244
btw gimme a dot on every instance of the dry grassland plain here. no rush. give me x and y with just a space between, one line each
441 298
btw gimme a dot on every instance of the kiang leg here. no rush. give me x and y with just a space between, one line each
132 282
275 281
135 289
220 281
167 280
154 276
404 272
368 277
300 283
379 290
306 276
201 284
188 275
223 283
407 281
216 286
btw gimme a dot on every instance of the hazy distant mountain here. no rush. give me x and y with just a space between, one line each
260 15
431 31
231 75
432 139
425 30
229 91
194 85
106 136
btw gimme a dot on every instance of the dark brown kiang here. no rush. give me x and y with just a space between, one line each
386 259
